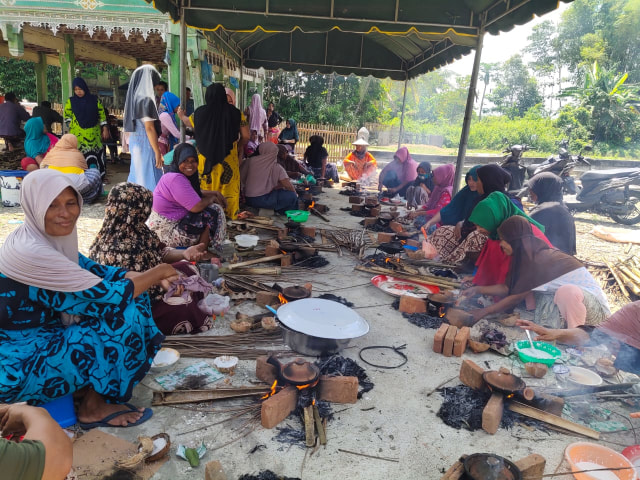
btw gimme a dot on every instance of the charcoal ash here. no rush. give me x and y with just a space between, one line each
494 337
378 259
444 272
336 298
314 261
266 475
396 304
339 365
291 436
423 320
381 227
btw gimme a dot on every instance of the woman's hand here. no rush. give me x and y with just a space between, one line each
159 160
457 230
105 133
391 191
195 252
478 314
424 187
544 334
470 292
218 198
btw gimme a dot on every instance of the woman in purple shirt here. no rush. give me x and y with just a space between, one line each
182 214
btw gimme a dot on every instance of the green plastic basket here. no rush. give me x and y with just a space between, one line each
297 215
543 346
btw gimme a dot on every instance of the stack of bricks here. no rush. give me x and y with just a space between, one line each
450 340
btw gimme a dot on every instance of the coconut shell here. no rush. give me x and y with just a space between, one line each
478 347
269 323
163 451
240 326
509 320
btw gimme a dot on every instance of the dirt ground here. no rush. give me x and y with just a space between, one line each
396 420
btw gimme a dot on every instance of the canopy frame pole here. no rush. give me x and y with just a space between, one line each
183 66
468 112
404 102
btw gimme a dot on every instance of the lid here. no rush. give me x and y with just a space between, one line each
504 382
322 318
300 371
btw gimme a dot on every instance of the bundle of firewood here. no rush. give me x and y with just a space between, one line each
627 276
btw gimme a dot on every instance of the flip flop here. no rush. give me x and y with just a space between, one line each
146 415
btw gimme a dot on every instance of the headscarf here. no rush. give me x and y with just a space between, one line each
495 209
443 182
232 94
624 325
533 262
260 174
181 153
84 108
547 187
462 202
216 127
36 142
494 178
168 103
257 115
141 99
32 257
290 133
65 153
428 182
315 151
125 240
409 165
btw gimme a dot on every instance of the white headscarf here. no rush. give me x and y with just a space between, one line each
141 98
32 257
257 115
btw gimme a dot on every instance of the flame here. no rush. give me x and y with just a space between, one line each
403 242
272 391
308 385
441 312
282 299
387 260
510 395
283 252
312 204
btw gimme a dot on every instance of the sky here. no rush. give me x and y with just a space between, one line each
499 48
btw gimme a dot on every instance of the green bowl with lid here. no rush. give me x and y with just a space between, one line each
548 356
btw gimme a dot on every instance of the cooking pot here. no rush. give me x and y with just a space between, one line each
296 373
508 384
487 466
310 345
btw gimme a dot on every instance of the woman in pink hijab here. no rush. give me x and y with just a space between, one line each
441 194
398 174
258 117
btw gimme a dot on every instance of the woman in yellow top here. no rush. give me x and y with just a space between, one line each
218 127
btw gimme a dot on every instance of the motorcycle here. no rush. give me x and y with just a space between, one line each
511 163
562 166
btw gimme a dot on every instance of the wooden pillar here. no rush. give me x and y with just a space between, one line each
404 102
67 67
41 77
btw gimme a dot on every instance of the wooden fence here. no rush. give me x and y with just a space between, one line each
337 140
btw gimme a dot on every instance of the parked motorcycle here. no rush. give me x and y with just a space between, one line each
561 165
512 163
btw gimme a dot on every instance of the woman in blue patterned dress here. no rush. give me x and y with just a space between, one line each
68 324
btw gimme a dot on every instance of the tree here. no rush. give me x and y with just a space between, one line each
19 76
485 70
545 49
516 91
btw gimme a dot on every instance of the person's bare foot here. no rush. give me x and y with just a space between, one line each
94 408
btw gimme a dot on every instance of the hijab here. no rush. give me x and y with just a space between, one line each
65 153
494 178
181 153
495 209
36 142
232 94
428 176
533 262
290 133
168 103
315 152
547 187
141 99
84 108
624 325
443 182
216 127
462 202
125 240
257 115
409 170
260 173
32 257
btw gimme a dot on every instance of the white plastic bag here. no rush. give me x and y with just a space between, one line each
214 304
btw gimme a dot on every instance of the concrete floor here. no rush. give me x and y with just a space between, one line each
395 420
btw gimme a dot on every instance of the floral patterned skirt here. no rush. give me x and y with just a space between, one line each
186 232
454 250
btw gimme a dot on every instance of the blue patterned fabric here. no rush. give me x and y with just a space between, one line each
111 347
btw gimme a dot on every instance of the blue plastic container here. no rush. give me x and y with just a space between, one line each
62 411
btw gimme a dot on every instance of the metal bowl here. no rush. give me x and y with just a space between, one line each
310 345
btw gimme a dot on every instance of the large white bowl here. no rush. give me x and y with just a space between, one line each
584 376
322 318
246 241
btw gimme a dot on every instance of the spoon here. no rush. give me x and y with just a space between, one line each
529 336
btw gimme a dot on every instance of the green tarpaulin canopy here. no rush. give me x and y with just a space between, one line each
399 39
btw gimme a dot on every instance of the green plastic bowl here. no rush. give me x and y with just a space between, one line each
544 346
299 216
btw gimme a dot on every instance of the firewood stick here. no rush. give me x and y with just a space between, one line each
258 260
629 283
321 433
531 412
438 281
623 288
309 426
318 214
253 271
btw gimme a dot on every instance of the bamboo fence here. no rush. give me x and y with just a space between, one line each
337 140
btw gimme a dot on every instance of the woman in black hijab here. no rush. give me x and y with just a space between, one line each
545 190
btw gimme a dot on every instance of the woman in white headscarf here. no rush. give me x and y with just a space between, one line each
258 117
68 324
360 164
141 120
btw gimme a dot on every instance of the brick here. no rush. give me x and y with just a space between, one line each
356 200
270 251
356 208
471 374
266 298
370 221
449 338
308 231
213 471
535 369
460 342
396 227
386 237
374 212
338 389
410 304
371 201
438 339
532 467
282 233
321 207
278 407
265 372
286 261
492 413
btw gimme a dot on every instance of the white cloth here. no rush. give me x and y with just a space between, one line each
580 278
32 257
141 99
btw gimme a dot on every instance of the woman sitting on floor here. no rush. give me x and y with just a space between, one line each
125 241
316 158
417 194
398 174
545 190
620 333
360 164
565 293
183 215
287 160
266 183
461 204
69 324
37 144
66 158
440 196
289 135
